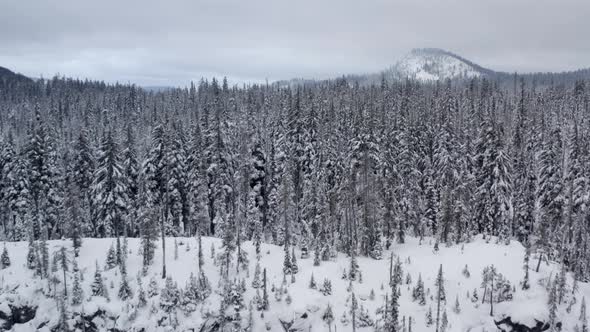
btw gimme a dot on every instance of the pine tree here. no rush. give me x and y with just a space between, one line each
153 288
489 275
4 259
328 317
457 307
170 296
312 284
43 262
418 291
175 249
111 260
63 262
124 289
466 272
552 320
326 288
31 254
98 287
109 189
287 261
294 267
77 291
141 295
265 304
445 322
256 279
440 295
429 320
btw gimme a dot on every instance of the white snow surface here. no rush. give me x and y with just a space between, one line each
508 259
432 66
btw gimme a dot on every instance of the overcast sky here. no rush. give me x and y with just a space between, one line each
173 42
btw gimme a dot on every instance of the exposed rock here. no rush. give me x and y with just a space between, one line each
507 325
299 324
12 314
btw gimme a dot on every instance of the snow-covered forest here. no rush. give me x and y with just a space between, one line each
330 206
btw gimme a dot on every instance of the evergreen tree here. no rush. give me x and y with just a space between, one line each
328 317
4 259
77 291
109 189
97 286
440 295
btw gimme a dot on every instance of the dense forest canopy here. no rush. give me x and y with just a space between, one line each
330 166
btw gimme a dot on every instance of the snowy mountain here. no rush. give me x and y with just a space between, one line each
431 64
293 300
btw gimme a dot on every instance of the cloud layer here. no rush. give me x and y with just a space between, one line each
173 42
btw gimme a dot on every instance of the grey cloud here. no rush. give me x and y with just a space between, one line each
173 42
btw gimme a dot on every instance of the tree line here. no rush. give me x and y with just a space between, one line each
328 166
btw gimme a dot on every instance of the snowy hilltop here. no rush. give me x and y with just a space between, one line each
431 64
459 287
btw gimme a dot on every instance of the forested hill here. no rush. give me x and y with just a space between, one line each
332 166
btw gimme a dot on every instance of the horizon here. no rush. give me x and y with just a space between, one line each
255 42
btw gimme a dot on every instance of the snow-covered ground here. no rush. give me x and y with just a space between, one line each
417 259
425 65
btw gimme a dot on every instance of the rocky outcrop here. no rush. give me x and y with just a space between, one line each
11 315
299 324
507 325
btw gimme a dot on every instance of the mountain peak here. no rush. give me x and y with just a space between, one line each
433 64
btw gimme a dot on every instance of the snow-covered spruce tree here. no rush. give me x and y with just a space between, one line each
31 253
124 288
4 259
550 193
256 282
326 288
155 172
169 297
64 262
83 175
294 266
175 249
111 260
190 297
429 319
257 195
153 288
287 261
397 272
264 304
418 291
16 194
391 320
328 317
131 172
77 291
552 304
177 181
43 255
489 275
97 286
494 182
444 322
312 283
466 272
109 188
440 295
141 294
